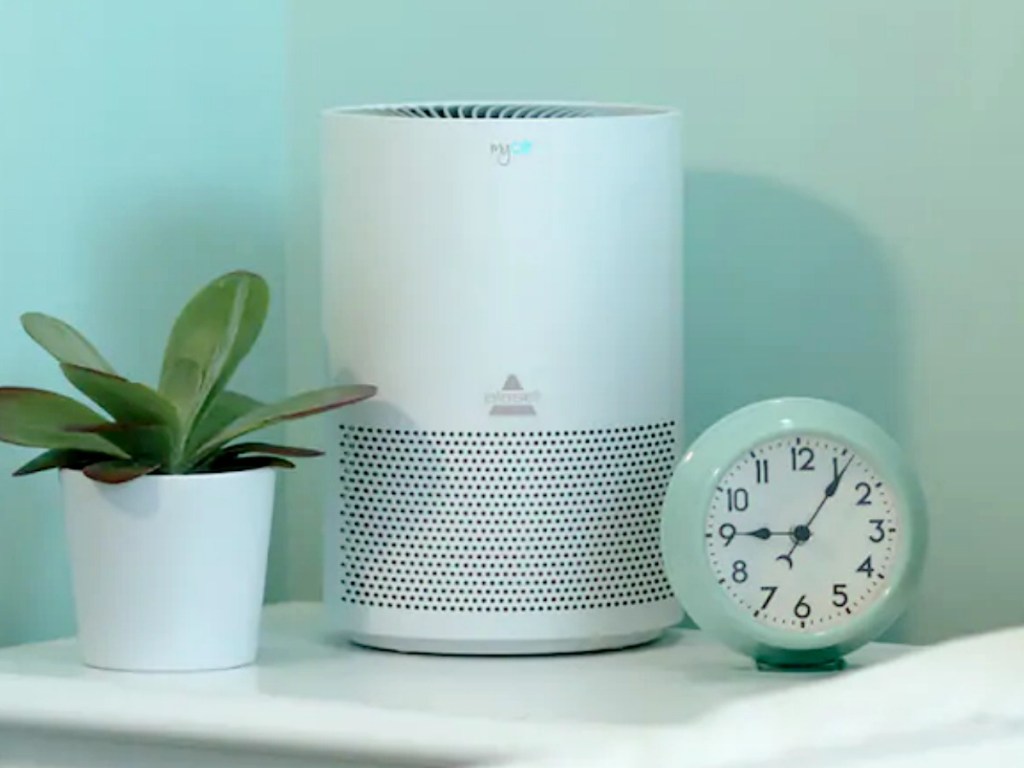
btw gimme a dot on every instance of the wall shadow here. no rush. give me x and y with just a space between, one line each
787 295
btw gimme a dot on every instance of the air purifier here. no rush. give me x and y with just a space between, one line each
510 277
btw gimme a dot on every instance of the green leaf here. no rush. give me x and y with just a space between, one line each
41 419
295 407
224 409
147 443
214 332
180 380
115 471
63 342
232 451
183 376
272 448
58 458
242 463
126 401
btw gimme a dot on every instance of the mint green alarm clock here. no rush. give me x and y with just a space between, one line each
794 530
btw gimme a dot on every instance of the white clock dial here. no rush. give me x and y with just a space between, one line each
802 533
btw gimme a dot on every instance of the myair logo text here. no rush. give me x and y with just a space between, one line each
504 152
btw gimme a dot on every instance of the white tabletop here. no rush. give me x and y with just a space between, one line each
313 693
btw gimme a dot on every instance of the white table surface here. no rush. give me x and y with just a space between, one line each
312 695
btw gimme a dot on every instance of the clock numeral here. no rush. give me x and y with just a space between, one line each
771 593
803 459
739 571
802 609
839 596
737 499
728 532
762 471
866 567
878 535
865 494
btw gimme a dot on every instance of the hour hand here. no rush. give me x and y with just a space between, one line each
763 533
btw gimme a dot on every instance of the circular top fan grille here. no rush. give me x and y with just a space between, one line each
506 111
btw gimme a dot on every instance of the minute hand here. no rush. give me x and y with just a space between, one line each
830 490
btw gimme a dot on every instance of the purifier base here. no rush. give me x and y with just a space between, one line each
505 647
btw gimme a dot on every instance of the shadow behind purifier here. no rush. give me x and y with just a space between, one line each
510 277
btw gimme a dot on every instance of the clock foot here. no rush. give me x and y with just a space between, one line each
833 665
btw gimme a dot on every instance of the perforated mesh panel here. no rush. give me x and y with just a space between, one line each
530 521
496 111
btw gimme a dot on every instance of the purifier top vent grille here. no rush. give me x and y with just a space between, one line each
489 111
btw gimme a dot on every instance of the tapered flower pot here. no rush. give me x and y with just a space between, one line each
169 570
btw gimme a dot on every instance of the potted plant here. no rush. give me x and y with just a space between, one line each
167 510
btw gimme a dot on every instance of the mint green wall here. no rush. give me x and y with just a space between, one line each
855 220
141 153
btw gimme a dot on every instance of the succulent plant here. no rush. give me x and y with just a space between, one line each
188 424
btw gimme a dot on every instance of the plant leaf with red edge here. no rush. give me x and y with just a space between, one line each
271 448
126 401
295 407
241 463
42 419
116 471
145 443
224 409
58 458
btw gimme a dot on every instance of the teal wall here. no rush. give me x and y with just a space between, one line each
855 220
141 153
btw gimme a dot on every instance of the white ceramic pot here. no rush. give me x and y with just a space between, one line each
168 571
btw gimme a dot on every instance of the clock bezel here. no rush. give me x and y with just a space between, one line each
689 496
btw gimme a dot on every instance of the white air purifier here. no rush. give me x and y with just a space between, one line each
510 277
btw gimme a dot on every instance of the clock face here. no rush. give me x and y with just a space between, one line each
802 533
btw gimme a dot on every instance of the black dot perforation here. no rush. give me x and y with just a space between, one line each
503 521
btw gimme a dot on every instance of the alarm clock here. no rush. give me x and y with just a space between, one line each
794 530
